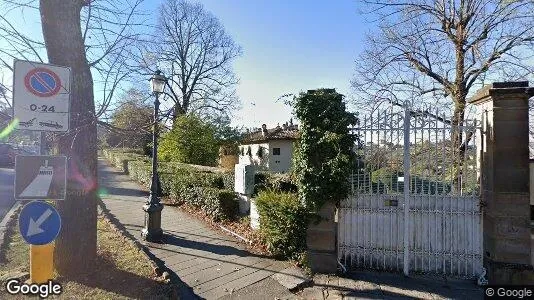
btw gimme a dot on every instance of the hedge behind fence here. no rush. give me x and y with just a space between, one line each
196 185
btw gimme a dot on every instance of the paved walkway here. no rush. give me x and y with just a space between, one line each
215 265
376 285
212 264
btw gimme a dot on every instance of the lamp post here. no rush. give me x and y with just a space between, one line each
152 231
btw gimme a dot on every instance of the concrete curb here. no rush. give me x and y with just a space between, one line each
9 219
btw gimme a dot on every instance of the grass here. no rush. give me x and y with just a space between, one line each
120 271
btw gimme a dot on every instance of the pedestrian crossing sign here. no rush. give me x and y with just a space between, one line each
40 177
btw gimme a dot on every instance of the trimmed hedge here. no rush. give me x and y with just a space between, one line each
198 186
274 181
120 158
283 223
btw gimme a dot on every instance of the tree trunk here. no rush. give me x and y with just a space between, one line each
456 146
75 248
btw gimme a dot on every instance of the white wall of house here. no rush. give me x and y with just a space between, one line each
261 162
270 160
280 163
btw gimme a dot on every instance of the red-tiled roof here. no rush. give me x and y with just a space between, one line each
277 133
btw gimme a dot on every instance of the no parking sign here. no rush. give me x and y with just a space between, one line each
41 96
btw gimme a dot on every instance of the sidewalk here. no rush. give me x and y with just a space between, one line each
215 265
212 264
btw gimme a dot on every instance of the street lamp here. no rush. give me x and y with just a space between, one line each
152 231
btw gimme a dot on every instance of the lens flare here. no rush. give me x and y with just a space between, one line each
9 129
102 192
88 184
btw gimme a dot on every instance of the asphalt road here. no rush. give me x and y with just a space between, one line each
6 190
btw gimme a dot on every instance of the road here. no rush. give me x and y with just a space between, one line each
6 190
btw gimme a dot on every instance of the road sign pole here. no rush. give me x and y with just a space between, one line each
42 148
41 263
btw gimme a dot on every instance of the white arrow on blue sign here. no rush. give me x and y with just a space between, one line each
39 223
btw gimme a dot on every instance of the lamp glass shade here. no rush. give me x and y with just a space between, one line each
157 82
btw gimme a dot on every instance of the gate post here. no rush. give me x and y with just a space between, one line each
321 241
406 202
504 181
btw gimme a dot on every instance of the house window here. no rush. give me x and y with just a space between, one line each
276 151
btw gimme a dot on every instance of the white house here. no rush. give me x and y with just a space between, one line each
269 149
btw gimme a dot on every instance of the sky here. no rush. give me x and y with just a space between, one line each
288 47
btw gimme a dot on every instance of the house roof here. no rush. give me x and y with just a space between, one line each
277 133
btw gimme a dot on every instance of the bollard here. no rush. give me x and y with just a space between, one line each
41 263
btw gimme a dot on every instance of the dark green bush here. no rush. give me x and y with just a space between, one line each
274 181
283 223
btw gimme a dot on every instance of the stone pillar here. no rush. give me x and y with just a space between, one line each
504 179
321 241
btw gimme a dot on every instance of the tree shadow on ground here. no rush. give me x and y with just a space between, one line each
115 191
379 285
173 240
105 276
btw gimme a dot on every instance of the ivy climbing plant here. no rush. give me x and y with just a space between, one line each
324 156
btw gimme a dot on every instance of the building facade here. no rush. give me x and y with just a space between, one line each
270 149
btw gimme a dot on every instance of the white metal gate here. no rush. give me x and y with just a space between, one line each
414 204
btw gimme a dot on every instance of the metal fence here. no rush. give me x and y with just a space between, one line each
414 204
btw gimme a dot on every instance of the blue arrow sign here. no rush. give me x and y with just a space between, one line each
39 223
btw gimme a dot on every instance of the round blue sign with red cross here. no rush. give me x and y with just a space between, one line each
42 82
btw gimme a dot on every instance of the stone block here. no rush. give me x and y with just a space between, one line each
507 227
322 262
512 199
323 240
511 180
508 250
292 278
504 115
511 157
509 274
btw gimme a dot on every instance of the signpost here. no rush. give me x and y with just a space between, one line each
39 225
40 177
41 102
41 94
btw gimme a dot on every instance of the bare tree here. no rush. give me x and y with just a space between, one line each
442 49
439 50
92 38
109 30
194 51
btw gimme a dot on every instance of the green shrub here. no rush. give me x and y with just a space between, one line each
283 223
120 158
274 181
210 191
220 204
140 171
228 179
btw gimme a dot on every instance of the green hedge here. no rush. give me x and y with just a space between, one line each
120 158
283 223
201 187
274 181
